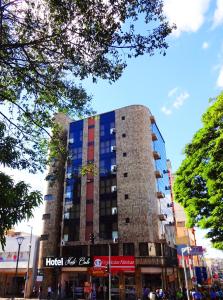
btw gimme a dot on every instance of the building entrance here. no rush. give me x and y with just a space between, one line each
74 285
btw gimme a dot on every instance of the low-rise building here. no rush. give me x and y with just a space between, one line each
13 280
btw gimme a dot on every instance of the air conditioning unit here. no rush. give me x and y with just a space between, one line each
114 210
113 148
69 176
113 188
112 130
71 140
65 238
113 168
66 215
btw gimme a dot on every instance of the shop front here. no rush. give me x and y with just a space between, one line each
129 275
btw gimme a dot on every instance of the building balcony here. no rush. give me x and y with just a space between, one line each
156 155
152 119
158 174
154 137
160 195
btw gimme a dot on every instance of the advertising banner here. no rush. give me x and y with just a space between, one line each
118 263
192 250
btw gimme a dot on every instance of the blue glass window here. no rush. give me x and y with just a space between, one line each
49 197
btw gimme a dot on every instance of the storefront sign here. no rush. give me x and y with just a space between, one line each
39 278
118 263
196 250
84 261
192 250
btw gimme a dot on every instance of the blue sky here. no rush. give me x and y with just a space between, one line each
176 87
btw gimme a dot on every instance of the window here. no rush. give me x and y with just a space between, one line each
89 201
46 216
102 130
123 117
76 153
105 147
128 249
123 135
89 223
105 185
127 220
143 249
125 174
124 154
91 126
106 207
49 197
90 143
44 237
126 196
158 249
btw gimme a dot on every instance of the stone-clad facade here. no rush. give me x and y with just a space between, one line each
141 206
125 202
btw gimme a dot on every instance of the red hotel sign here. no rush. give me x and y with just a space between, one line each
118 263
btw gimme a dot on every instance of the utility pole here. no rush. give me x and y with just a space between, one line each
185 271
109 272
27 272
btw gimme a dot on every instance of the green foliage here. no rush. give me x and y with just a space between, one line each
89 169
199 181
47 47
16 203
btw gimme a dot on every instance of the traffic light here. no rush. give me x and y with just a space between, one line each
92 238
107 269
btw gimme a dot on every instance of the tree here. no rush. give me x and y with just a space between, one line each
47 47
199 181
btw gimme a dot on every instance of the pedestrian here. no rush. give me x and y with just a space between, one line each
49 292
40 292
59 291
213 294
179 295
196 295
152 295
145 293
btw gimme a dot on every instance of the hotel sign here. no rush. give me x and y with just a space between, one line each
71 261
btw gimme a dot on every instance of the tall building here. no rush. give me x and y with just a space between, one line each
125 203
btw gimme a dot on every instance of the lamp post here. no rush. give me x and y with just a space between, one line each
19 241
185 271
27 272
109 271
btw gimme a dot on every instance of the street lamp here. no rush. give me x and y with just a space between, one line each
27 272
185 272
19 241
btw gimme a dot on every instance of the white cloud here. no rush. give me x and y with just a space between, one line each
220 78
166 110
218 14
172 92
188 15
180 99
205 45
